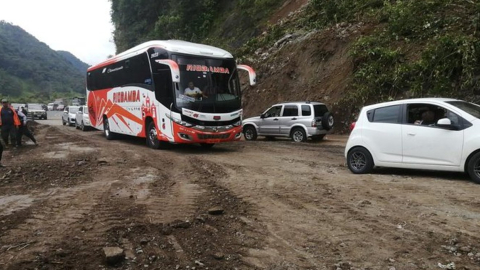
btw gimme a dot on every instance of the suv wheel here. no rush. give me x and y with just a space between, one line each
327 121
473 168
250 133
359 160
299 135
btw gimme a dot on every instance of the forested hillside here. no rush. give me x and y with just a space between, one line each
346 53
72 59
30 70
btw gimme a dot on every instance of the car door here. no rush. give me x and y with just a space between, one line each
270 123
79 115
288 118
383 134
65 114
431 144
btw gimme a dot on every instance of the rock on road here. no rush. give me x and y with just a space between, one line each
244 205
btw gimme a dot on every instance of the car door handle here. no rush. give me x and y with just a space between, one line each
276 119
294 118
411 134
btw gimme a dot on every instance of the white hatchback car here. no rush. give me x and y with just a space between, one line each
69 115
82 120
427 133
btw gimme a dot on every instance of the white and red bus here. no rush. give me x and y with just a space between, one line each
143 92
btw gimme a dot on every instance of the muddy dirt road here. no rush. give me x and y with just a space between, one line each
245 205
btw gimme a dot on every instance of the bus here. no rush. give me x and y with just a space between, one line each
169 92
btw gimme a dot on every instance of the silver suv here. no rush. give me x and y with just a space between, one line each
297 120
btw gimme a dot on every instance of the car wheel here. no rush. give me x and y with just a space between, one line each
327 121
359 160
299 135
106 129
473 168
250 133
207 145
318 137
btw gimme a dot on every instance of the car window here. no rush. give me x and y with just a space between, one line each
290 110
306 110
428 115
388 114
274 111
80 109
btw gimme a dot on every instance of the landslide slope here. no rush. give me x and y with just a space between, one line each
346 53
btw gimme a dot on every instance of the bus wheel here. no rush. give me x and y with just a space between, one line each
106 129
152 139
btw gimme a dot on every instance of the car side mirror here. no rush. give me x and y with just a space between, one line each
444 122
263 115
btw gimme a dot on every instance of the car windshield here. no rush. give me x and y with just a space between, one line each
35 107
470 108
208 85
73 109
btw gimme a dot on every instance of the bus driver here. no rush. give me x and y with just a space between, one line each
193 91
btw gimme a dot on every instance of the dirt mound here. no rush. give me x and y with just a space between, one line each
311 66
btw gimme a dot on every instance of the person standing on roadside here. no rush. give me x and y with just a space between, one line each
9 123
23 129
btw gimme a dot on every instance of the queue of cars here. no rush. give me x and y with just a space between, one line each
76 116
428 133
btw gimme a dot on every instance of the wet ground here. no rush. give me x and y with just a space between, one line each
244 205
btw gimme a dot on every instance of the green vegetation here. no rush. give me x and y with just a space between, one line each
417 48
409 48
31 71
228 24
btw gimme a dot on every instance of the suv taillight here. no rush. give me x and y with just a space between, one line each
352 125
314 123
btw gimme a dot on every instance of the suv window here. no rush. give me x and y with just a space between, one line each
274 111
306 110
388 114
290 110
320 110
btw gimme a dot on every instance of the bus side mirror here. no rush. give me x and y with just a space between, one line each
173 68
251 73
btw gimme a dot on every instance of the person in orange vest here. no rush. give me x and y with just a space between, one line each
9 123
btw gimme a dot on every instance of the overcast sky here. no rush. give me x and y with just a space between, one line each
82 27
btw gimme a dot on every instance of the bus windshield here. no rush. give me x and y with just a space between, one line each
208 85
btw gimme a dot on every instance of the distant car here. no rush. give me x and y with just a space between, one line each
36 111
429 134
51 106
17 106
60 107
296 120
82 120
69 116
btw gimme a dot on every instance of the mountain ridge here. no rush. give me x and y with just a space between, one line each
31 71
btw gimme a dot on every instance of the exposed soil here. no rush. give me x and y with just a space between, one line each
285 206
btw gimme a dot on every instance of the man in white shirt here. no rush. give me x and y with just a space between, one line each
193 91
